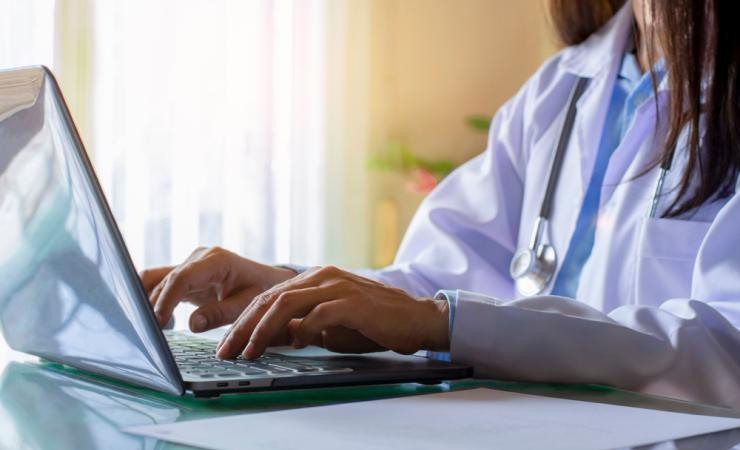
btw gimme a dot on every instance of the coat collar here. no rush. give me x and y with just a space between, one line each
599 51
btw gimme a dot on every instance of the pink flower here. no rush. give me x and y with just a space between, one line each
423 182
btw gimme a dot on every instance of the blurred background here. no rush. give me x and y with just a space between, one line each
303 131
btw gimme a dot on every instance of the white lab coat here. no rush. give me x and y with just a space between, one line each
658 306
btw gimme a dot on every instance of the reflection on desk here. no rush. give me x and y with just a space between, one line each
45 405
46 409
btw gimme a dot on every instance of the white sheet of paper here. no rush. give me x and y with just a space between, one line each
477 418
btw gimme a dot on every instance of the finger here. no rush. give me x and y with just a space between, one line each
191 277
150 278
218 314
292 327
155 292
289 305
285 336
336 313
154 295
241 333
345 340
234 341
258 325
235 336
195 296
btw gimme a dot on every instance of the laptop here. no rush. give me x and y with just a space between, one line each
69 292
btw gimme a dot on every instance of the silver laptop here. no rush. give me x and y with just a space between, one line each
69 292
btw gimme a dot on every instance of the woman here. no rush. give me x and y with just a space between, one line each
646 294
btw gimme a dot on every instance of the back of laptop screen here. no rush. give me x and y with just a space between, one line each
67 289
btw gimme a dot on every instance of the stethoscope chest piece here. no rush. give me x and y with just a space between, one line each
532 270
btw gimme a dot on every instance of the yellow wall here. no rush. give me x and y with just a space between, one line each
432 63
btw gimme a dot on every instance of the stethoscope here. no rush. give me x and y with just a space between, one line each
533 267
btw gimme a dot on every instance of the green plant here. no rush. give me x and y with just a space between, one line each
423 173
479 123
397 157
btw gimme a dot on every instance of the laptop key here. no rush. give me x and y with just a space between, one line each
228 374
289 365
252 372
271 368
255 370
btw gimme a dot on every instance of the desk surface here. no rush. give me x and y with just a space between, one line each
45 405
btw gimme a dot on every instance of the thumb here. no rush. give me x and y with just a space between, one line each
218 314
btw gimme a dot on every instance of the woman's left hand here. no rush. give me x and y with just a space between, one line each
341 312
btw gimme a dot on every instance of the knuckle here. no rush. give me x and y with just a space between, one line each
178 279
197 252
322 311
217 250
282 300
219 257
261 301
329 271
178 275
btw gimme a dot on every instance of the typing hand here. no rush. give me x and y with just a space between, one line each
340 311
220 282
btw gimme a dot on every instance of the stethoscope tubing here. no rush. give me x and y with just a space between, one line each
565 134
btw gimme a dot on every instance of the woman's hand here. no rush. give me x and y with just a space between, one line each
220 282
339 311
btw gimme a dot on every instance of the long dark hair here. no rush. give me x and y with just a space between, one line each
700 42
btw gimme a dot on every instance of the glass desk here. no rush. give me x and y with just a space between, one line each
45 405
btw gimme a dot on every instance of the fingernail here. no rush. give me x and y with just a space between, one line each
249 350
223 340
199 323
220 347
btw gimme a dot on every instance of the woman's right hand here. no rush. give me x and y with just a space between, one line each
219 282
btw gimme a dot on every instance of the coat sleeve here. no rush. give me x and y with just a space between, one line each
687 347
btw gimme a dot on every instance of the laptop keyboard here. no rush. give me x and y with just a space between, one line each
197 357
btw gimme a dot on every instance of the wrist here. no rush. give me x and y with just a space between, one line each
437 323
264 277
281 274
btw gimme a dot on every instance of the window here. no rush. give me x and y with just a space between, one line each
26 38
207 125
205 120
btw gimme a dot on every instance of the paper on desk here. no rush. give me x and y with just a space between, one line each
477 418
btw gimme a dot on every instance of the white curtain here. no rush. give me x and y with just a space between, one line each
205 120
26 33
207 125
26 38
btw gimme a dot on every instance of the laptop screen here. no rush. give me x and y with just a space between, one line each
68 291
